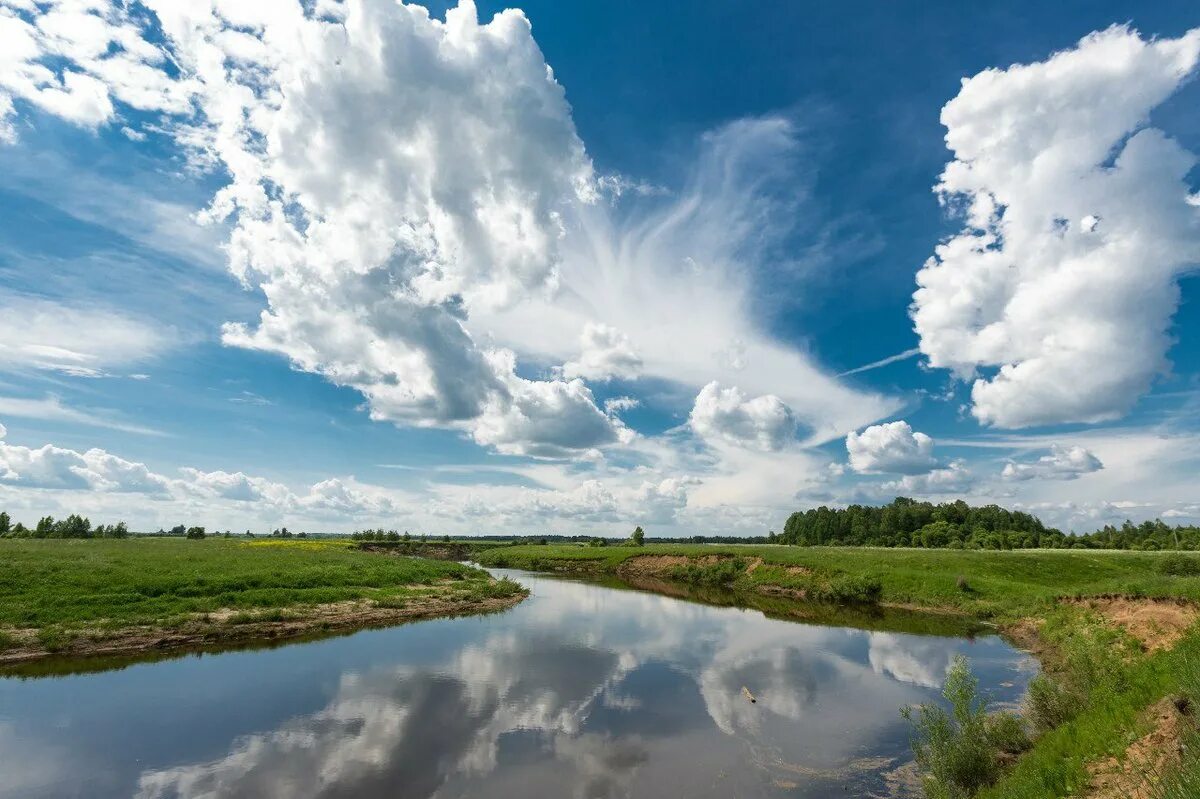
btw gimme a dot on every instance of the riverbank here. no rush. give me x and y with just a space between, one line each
1116 633
119 597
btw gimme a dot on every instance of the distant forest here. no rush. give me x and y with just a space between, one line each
957 525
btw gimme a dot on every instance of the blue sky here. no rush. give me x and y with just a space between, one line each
638 288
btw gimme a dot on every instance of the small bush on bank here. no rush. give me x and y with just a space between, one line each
958 751
1178 565
723 572
1048 704
848 589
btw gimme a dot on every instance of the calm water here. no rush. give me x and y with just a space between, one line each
580 691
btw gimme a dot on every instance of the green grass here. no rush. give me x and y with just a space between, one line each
993 584
53 585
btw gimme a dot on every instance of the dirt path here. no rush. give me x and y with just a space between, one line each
233 627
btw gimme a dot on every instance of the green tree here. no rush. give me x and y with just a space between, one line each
639 537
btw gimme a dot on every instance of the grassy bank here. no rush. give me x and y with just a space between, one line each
107 596
1115 632
993 585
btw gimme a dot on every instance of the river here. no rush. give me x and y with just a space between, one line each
583 690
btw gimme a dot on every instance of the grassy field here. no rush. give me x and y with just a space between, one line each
1101 677
55 589
994 585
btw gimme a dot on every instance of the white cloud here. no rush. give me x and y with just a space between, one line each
1063 463
74 59
384 190
725 414
955 478
680 276
890 448
94 470
52 409
605 353
74 340
1078 224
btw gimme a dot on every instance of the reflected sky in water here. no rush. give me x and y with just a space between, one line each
580 691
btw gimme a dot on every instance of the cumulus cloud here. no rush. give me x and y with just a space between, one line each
605 353
1063 463
956 478
890 448
74 60
725 414
382 186
1057 296
94 470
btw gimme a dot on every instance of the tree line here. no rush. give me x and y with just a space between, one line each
906 522
74 526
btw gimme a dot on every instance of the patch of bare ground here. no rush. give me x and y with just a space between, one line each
1134 775
1155 623
1026 634
228 626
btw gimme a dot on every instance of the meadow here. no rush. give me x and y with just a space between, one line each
56 590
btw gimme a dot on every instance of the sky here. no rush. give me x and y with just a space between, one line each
576 267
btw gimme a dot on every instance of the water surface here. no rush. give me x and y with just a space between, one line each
580 691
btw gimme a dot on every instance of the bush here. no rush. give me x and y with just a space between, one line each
958 751
1008 734
723 572
1048 704
849 589
1179 565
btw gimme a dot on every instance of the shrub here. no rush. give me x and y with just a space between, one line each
1048 704
1179 565
723 572
848 589
958 751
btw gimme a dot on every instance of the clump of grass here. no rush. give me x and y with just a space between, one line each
1179 565
848 589
53 639
721 572
1048 704
959 751
7 641
496 589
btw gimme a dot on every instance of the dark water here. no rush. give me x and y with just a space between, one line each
580 691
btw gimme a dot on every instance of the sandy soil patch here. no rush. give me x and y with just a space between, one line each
1147 758
1155 623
